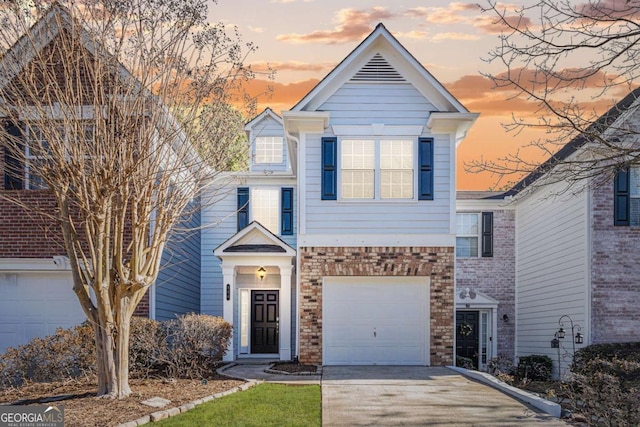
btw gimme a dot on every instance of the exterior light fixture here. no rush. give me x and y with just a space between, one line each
561 333
579 338
262 272
228 292
505 318
555 343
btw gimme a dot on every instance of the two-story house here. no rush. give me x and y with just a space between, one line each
344 244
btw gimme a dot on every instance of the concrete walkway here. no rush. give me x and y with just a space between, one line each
418 396
404 396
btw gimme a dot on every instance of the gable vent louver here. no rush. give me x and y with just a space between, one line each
378 70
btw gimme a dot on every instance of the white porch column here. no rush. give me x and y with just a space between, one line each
285 312
229 279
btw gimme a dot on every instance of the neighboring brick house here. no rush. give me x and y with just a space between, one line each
36 294
570 253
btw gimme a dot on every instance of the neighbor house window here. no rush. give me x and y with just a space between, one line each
467 235
269 149
37 150
265 207
377 169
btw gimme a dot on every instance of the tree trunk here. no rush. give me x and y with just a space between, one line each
112 357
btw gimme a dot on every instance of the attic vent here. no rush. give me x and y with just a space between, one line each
377 70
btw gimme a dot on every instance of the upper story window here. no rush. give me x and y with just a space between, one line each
474 234
627 197
265 207
32 140
269 150
467 235
270 206
377 169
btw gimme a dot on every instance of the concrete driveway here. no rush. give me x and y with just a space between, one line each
418 396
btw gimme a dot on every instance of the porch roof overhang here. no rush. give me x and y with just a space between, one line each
471 298
252 241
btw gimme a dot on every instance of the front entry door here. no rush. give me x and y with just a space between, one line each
467 335
264 322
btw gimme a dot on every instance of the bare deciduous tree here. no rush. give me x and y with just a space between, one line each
573 61
122 110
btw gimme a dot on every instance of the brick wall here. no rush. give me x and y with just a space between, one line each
615 274
27 233
495 277
435 263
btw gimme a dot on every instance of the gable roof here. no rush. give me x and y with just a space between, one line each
268 112
599 126
364 62
252 239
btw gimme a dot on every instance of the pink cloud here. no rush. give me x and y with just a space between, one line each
352 25
292 66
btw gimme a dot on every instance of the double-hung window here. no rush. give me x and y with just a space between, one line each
269 150
265 207
377 169
37 151
467 235
474 234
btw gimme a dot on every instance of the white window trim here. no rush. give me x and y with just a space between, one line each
478 235
377 170
634 195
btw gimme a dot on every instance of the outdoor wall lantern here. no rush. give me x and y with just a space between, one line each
505 318
262 272
228 292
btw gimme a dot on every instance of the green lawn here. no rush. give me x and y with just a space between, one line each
262 405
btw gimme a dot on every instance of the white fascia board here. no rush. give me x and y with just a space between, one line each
485 205
455 123
366 240
268 112
296 122
56 263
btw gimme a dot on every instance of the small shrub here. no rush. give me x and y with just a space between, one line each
501 364
195 343
582 361
535 367
607 391
147 344
68 353
464 362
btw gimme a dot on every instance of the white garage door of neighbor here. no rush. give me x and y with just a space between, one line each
34 305
375 321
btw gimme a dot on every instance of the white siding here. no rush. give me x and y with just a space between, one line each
380 217
364 104
268 126
551 271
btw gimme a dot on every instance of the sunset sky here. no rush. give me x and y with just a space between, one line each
303 40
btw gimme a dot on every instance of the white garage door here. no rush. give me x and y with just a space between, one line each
34 305
375 321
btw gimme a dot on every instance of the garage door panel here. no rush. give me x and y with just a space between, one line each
375 321
35 305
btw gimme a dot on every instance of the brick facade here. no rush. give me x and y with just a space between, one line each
615 274
495 277
435 263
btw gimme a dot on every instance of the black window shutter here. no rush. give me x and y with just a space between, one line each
425 173
487 234
243 207
621 202
329 168
14 166
286 214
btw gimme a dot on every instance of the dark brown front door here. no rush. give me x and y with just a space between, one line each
467 335
264 322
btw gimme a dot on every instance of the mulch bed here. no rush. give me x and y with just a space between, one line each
83 408
294 368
